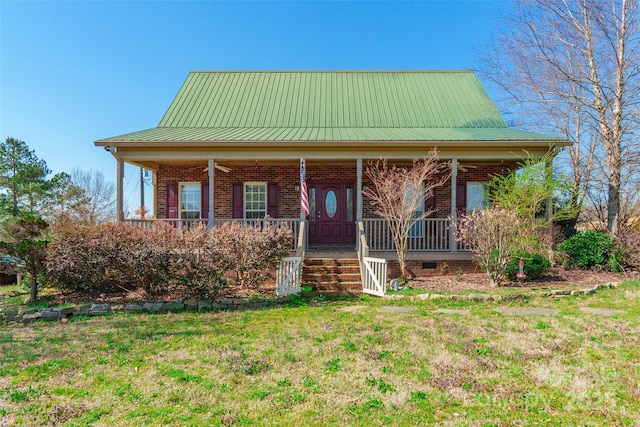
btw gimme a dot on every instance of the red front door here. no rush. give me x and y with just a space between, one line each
331 216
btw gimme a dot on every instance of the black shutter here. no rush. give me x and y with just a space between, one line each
237 200
204 197
272 199
172 200
461 197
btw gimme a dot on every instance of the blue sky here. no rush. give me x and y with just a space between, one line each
72 72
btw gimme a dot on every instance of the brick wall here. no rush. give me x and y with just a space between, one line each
287 177
425 268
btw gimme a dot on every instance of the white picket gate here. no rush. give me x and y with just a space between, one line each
374 279
289 276
289 270
373 271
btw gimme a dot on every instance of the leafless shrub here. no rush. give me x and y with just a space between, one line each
249 255
398 194
494 236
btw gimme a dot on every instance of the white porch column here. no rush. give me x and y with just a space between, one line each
548 212
360 200
119 191
154 191
212 168
453 245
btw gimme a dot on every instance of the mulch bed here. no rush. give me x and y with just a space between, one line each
557 278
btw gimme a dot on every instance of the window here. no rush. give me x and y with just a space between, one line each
476 199
255 200
408 195
190 201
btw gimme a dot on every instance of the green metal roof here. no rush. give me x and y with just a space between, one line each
332 99
327 134
271 106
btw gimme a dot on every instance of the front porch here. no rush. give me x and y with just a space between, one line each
341 223
361 267
268 192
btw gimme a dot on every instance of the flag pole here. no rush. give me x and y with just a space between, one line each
304 194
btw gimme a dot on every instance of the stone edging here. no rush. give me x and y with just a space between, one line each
14 316
558 293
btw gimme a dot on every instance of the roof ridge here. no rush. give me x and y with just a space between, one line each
335 71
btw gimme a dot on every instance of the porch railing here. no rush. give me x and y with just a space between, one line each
289 270
292 224
373 271
427 235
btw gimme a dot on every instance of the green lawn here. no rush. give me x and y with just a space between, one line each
329 363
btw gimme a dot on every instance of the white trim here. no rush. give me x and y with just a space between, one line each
228 153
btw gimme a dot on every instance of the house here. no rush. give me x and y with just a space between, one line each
230 147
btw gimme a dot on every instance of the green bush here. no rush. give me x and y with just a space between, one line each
535 265
592 249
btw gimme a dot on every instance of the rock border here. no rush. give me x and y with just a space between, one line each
15 316
558 293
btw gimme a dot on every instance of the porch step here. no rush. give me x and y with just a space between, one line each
324 274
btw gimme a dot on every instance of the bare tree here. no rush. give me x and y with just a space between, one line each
99 194
398 194
575 65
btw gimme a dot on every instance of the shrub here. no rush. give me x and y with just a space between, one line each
198 263
592 249
249 255
110 256
494 236
535 265
196 269
118 256
629 238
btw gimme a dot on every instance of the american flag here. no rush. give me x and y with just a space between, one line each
304 194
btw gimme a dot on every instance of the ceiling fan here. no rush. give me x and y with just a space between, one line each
217 166
465 168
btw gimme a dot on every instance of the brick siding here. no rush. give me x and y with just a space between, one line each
416 268
287 177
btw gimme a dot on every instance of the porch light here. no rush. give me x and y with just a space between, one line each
297 187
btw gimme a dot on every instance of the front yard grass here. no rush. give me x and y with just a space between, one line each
332 363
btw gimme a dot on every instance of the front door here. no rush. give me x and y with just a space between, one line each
331 214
